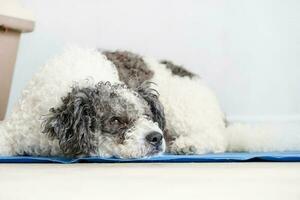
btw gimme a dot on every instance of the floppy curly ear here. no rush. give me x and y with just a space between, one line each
74 122
151 96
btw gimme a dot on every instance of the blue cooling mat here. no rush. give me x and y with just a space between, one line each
222 157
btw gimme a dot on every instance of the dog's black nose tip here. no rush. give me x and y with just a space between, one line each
154 138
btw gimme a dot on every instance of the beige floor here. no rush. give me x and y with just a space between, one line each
151 181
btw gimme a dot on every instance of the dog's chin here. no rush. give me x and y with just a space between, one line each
156 151
142 152
152 152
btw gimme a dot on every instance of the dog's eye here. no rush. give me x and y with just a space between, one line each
115 120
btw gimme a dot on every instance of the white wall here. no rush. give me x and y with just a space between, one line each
247 51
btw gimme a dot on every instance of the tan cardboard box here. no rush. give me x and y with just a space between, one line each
10 32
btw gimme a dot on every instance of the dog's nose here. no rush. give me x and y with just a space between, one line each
154 138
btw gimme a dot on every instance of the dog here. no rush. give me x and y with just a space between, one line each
87 102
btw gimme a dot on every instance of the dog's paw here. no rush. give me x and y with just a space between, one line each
186 150
184 146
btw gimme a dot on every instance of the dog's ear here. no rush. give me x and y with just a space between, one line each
151 96
74 122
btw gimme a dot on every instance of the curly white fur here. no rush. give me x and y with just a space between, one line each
22 131
192 112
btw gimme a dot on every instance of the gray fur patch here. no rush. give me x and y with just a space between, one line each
74 122
177 70
131 67
157 109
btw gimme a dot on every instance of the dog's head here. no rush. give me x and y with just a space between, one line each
108 120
